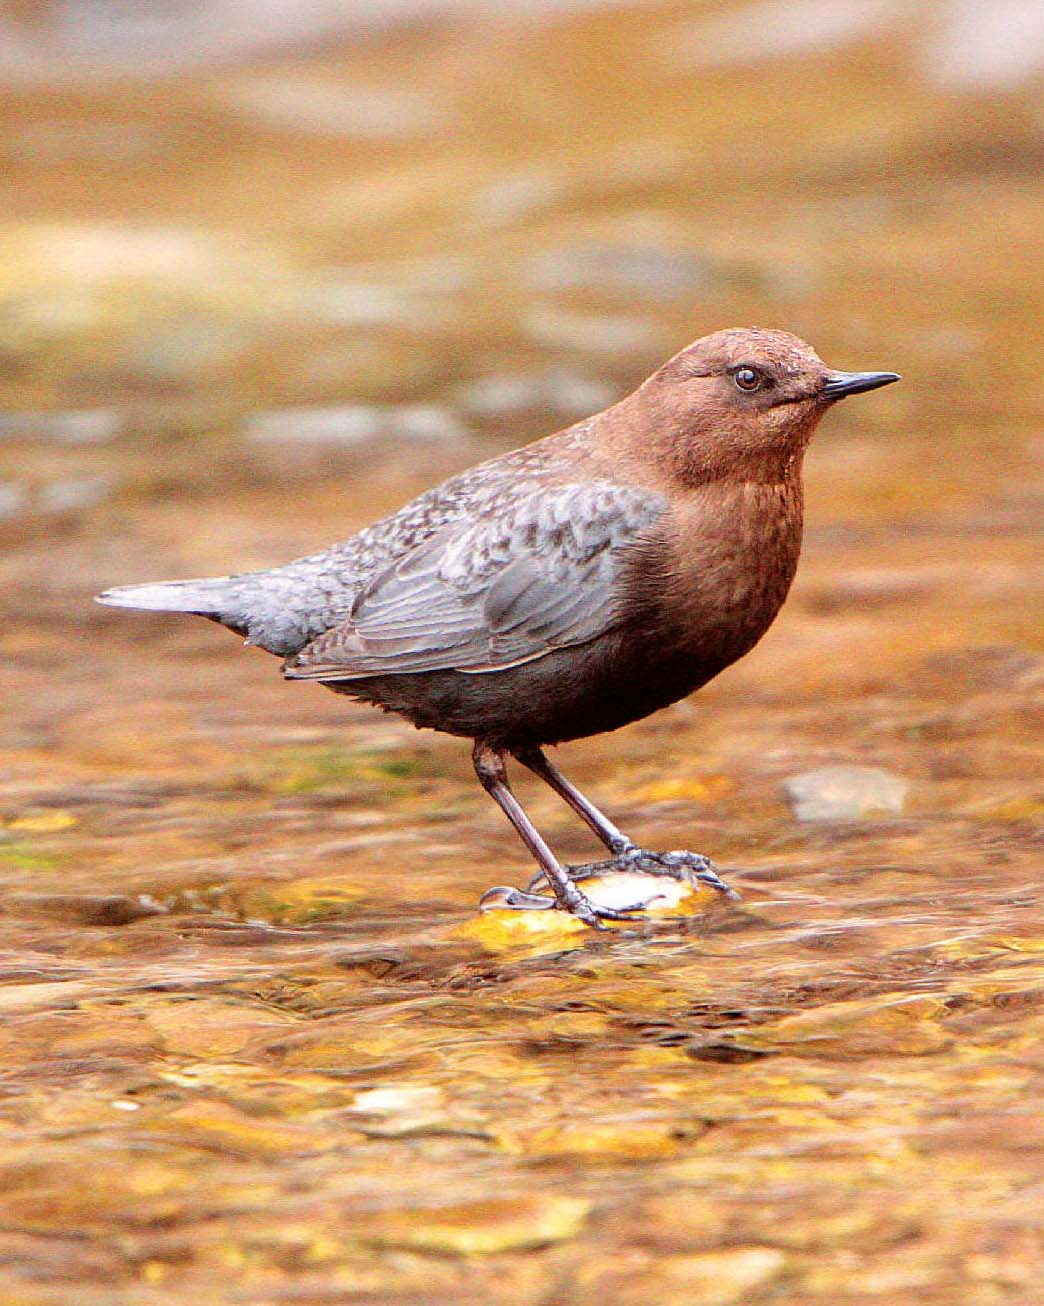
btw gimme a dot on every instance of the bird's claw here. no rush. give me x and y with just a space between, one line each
678 864
505 898
592 914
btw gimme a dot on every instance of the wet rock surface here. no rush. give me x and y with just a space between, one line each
257 1042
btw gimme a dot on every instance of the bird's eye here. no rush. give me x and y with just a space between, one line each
746 378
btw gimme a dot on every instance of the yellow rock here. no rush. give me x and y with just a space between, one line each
498 1065
339 1046
535 932
299 902
483 1228
154 1179
655 1058
579 1025
216 1074
697 788
887 1283
1017 944
610 1140
211 1028
154 1272
217 1125
532 932
901 1025
717 1278
967 947
1024 977
47 821
1014 809
781 1088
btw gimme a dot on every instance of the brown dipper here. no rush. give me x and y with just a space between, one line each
568 587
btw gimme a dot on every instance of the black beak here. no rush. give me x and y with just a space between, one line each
839 384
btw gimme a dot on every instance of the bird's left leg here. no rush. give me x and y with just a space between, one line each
489 767
615 840
626 855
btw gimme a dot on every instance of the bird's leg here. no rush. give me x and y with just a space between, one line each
492 774
615 840
626 855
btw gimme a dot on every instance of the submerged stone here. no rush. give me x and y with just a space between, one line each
86 426
624 270
845 793
347 425
83 908
485 1228
565 391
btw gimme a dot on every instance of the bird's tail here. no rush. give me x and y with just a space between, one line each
219 597
278 610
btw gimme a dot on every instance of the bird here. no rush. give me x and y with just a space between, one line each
566 588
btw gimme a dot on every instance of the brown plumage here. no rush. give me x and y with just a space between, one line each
569 587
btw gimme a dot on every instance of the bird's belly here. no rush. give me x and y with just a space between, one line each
569 694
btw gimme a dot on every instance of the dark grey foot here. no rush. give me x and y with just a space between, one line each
690 868
504 897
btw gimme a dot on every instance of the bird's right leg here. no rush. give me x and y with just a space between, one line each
492 774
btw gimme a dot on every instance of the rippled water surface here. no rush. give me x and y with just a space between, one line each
257 1044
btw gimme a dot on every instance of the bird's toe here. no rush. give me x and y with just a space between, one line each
503 897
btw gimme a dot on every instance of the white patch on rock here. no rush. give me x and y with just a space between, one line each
627 889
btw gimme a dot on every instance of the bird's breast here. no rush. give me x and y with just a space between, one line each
722 569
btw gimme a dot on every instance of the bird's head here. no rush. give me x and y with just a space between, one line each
743 400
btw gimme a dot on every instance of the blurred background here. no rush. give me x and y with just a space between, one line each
249 243
265 271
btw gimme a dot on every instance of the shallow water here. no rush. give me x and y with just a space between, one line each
258 1046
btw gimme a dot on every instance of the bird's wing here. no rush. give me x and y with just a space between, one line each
486 594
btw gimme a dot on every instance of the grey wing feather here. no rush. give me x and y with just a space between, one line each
488 594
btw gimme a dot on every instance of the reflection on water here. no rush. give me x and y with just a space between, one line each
257 1044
